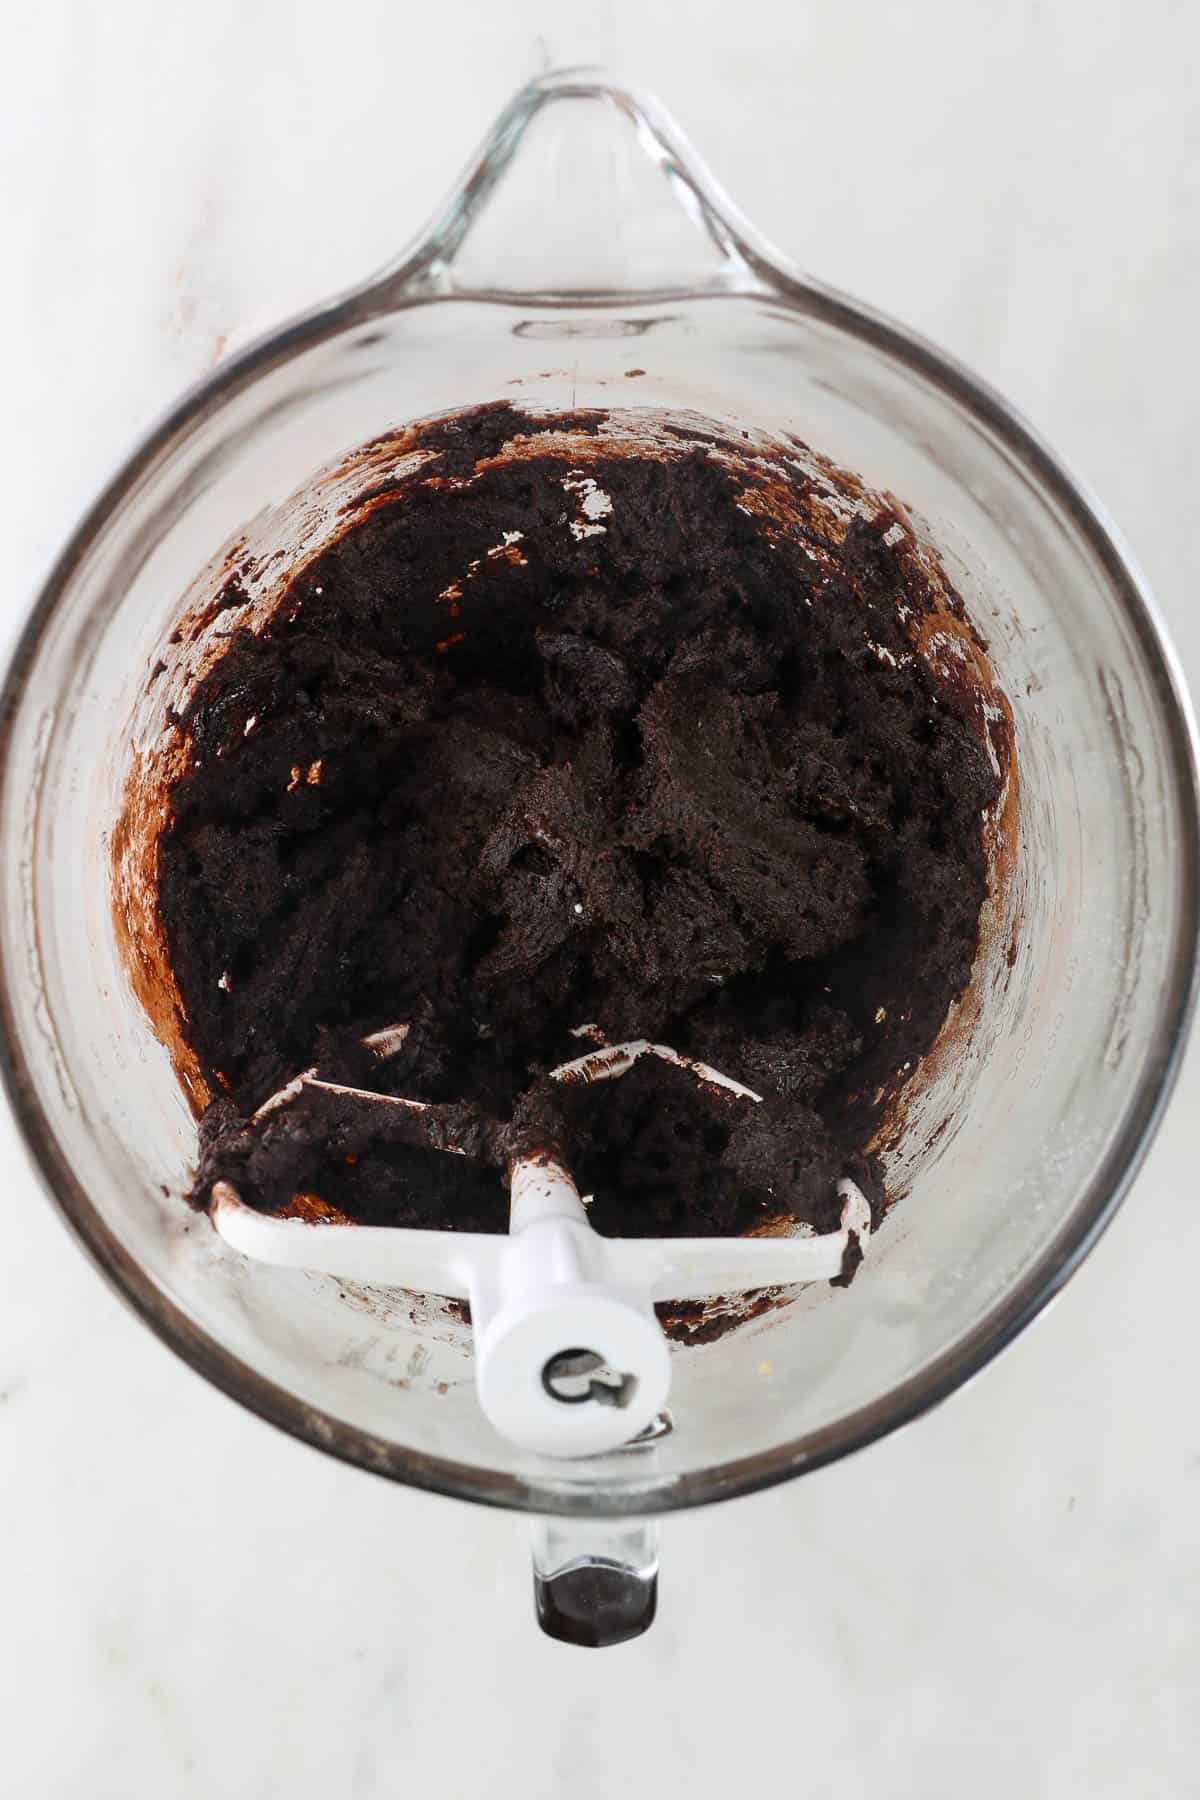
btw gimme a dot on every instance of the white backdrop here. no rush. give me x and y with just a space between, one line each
1001 1601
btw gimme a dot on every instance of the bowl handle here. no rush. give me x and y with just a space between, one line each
595 1581
582 189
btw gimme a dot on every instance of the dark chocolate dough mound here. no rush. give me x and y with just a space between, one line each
537 745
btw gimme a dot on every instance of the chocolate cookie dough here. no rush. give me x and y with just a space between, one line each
545 741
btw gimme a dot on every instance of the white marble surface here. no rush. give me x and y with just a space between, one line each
1001 1601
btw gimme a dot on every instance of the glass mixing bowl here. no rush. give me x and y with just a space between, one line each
584 244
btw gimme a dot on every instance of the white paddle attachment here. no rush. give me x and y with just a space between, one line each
570 1359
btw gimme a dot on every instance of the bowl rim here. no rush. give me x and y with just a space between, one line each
766 278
